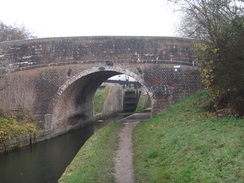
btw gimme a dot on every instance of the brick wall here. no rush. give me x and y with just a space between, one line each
87 49
55 79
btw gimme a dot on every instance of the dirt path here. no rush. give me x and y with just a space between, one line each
124 171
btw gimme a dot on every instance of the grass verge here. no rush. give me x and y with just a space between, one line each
94 162
99 99
183 145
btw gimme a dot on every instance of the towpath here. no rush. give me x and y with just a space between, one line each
124 171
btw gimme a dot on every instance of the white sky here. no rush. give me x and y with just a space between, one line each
61 18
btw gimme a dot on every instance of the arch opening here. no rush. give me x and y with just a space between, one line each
73 104
120 93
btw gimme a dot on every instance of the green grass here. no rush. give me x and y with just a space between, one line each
183 145
99 99
94 162
179 145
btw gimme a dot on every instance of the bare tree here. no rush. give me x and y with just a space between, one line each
9 33
203 19
219 25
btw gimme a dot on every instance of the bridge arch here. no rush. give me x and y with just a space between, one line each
36 73
73 101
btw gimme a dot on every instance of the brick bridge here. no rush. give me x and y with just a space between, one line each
56 78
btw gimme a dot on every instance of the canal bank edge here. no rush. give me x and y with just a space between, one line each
167 143
41 135
107 110
91 160
96 156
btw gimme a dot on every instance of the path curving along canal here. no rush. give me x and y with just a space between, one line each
44 162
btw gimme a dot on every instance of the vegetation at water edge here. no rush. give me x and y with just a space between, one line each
15 125
99 99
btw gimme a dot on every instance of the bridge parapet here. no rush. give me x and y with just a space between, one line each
110 50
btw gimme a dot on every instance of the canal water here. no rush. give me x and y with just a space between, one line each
44 162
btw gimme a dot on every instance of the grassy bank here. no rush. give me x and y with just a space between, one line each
183 145
94 162
180 145
99 99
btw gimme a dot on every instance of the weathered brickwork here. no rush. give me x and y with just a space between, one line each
56 78
87 49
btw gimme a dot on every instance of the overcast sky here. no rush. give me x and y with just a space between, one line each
61 18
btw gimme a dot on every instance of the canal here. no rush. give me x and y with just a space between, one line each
44 162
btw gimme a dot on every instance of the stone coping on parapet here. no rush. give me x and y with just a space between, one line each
95 37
